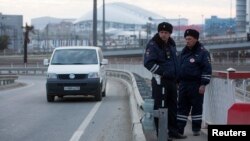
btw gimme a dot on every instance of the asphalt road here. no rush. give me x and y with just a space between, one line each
27 116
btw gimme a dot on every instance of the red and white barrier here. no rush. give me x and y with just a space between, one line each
222 101
239 113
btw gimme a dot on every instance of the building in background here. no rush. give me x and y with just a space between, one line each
125 26
11 25
248 16
243 16
130 23
120 17
54 35
219 26
41 22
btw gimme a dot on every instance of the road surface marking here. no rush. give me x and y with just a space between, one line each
80 131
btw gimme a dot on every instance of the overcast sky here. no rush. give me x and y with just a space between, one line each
190 9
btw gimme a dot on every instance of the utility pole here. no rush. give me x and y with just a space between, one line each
202 27
179 28
26 41
95 23
103 25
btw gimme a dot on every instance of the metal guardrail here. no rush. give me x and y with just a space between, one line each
242 91
129 77
7 79
141 110
23 70
135 99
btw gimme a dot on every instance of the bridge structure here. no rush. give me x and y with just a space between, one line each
213 45
226 91
227 51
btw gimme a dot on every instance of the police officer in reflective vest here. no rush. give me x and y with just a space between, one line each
195 74
160 59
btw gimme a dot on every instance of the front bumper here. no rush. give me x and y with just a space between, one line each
58 87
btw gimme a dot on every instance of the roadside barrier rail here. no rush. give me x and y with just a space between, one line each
23 70
135 100
7 79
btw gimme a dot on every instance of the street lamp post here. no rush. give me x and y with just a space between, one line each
202 26
2 25
95 23
179 27
103 25
26 41
1 28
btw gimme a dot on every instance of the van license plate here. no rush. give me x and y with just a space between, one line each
71 88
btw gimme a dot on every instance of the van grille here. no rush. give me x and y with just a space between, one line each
77 76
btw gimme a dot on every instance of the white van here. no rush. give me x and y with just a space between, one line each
76 71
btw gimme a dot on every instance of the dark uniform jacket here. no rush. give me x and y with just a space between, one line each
160 57
195 65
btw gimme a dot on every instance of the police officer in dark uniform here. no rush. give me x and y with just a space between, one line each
160 59
195 74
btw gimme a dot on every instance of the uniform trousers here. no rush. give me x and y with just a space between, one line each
190 100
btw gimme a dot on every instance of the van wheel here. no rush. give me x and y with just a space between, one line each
98 96
50 98
104 93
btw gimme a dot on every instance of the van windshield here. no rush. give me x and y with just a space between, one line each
74 57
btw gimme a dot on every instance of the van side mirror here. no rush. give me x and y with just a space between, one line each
104 62
46 62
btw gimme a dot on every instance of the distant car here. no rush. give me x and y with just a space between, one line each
76 71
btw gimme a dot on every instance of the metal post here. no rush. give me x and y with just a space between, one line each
162 114
202 27
148 119
227 57
1 28
1 24
95 23
103 25
147 31
47 38
163 119
245 90
238 58
26 41
179 28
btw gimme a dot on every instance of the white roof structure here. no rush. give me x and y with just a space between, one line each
122 13
143 34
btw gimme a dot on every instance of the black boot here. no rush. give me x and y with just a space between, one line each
177 136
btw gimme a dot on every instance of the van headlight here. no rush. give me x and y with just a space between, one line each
52 76
93 75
